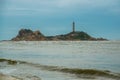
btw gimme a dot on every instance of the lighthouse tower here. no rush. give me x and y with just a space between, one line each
73 27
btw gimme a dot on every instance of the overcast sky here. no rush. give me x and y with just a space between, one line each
99 18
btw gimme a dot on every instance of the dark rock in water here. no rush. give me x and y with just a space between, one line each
10 62
29 35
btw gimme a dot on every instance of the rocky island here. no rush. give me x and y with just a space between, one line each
29 35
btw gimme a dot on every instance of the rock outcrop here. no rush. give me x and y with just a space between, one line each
29 35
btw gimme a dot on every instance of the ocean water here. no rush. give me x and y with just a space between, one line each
98 55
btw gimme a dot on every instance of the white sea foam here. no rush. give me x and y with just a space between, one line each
7 70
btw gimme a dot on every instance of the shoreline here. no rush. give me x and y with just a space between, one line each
80 73
7 77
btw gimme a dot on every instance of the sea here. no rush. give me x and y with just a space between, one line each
83 55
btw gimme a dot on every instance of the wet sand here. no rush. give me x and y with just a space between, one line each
6 77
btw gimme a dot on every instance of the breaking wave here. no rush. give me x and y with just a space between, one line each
84 73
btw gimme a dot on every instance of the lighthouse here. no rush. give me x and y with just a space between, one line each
73 27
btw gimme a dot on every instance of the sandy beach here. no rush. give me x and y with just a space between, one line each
6 77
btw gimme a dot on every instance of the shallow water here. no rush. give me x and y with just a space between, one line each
101 55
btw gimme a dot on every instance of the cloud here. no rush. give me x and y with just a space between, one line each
24 7
65 2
